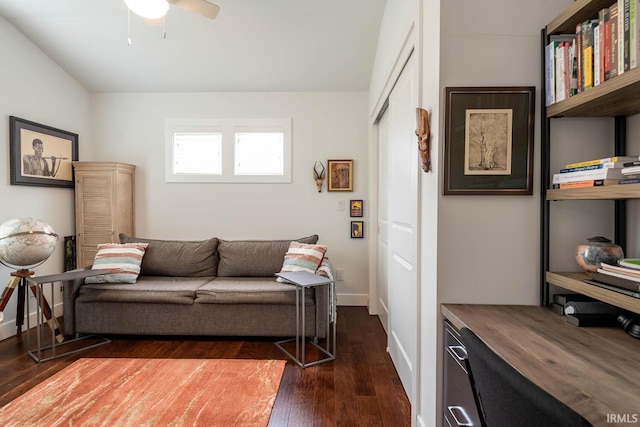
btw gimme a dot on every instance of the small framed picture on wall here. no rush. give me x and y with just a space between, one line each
357 229
356 208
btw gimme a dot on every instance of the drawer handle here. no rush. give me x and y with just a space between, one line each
457 350
461 411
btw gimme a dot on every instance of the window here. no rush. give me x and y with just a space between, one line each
228 150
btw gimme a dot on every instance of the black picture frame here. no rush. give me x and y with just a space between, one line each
503 116
47 166
357 229
356 208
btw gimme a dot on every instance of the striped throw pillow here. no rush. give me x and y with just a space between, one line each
303 257
121 260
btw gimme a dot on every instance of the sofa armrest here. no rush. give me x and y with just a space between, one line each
71 290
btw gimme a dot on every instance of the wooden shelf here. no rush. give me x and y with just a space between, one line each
579 11
619 96
573 281
606 192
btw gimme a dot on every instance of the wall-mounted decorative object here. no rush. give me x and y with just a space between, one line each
423 132
340 175
489 140
357 229
319 174
69 253
356 208
41 155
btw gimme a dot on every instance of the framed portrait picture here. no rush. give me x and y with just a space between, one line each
340 175
489 140
356 208
41 155
357 229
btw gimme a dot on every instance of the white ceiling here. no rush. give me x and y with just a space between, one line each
253 45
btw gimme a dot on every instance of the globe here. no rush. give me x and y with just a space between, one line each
26 242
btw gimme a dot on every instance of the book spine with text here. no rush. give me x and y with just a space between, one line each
614 159
613 35
607 45
626 45
609 173
586 183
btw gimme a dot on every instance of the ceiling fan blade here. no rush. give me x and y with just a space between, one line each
201 7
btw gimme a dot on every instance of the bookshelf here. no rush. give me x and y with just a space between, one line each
616 98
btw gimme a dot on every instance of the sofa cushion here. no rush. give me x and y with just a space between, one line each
249 290
122 261
254 258
178 258
148 289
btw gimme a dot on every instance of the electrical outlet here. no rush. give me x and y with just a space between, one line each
340 274
340 205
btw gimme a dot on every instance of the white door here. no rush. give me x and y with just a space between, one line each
383 222
399 226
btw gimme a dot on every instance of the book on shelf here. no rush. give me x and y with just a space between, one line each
562 299
625 54
586 183
632 273
607 173
632 176
587 53
588 307
613 34
629 181
602 285
616 280
593 320
634 8
630 170
604 165
633 263
630 164
605 160
606 47
559 59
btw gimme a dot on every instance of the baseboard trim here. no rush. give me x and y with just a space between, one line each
361 300
8 327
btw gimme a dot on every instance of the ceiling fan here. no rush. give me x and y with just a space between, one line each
154 9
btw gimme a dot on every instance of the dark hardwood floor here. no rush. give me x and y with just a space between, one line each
359 388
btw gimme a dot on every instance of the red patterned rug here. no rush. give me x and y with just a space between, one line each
151 392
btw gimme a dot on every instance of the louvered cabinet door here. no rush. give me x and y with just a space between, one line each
104 206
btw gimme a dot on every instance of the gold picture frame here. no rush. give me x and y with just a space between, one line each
340 175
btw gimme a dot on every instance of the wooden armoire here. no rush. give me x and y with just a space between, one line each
104 206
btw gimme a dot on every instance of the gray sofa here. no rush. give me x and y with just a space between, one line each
212 287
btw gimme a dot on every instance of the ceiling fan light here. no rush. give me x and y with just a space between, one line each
152 9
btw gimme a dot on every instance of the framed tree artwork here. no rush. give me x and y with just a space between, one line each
41 155
489 140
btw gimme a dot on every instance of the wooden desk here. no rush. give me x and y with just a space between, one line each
594 371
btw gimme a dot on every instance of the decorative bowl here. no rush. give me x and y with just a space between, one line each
597 249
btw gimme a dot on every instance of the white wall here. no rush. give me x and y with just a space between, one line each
34 88
130 128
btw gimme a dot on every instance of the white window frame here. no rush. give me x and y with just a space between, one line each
228 128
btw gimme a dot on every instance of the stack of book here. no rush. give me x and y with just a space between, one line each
623 278
594 173
631 173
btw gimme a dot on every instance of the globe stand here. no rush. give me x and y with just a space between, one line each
19 280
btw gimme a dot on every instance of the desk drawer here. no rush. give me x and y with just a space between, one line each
459 403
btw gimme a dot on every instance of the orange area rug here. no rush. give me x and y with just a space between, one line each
151 392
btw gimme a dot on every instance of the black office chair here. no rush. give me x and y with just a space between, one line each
507 399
